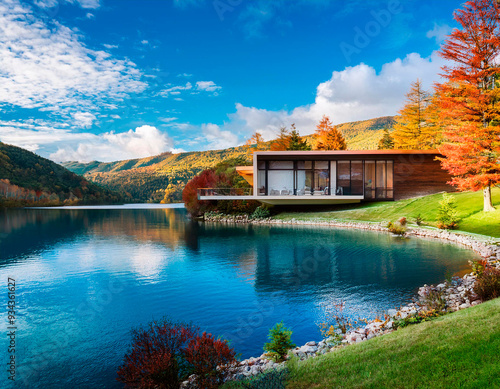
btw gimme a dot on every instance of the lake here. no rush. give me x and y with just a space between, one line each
85 277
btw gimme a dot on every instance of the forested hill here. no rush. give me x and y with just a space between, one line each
27 178
164 176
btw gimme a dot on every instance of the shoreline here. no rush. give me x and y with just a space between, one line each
458 293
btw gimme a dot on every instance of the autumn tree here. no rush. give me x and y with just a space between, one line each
282 142
469 99
296 141
255 143
414 129
328 136
386 142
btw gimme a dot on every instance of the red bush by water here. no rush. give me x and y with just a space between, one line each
156 358
211 359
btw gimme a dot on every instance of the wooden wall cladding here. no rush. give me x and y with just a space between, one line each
419 175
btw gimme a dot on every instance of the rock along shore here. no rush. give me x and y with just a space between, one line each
455 295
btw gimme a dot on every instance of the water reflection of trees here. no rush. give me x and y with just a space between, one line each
25 231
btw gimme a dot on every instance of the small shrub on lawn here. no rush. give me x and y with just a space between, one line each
261 213
419 219
487 285
402 221
447 213
396 228
280 342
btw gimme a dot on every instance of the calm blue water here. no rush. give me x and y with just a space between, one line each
86 277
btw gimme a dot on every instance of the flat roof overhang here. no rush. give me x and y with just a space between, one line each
328 154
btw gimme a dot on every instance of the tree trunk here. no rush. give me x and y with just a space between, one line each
488 205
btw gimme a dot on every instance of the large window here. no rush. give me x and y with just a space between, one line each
321 177
343 177
371 178
280 178
374 179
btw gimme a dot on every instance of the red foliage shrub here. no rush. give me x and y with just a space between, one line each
211 359
156 359
206 179
402 221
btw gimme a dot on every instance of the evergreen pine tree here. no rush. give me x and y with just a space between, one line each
296 141
386 142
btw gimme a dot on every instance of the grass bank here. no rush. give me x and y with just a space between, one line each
470 206
459 350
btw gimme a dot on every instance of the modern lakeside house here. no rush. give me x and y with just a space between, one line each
337 177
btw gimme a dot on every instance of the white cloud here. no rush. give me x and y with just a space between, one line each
187 75
145 42
217 138
50 68
175 90
142 142
90 15
439 32
167 120
83 119
355 93
109 47
208 86
88 4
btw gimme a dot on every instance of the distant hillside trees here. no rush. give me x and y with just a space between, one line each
386 142
469 99
416 126
328 136
27 178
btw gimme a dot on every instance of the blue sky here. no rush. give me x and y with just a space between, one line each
118 79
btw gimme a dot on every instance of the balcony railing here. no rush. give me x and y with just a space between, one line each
225 192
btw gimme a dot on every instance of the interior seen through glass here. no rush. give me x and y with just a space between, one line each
373 179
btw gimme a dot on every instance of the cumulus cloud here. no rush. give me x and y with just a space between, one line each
142 142
355 93
439 32
49 67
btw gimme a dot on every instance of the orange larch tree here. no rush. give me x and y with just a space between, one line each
256 143
469 99
282 142
328 136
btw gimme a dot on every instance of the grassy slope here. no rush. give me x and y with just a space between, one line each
459 350
470 205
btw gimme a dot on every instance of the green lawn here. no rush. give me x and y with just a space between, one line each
470 205
459 350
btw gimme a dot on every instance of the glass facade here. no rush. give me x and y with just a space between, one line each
371 178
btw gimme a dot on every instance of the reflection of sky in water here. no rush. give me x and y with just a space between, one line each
86 277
